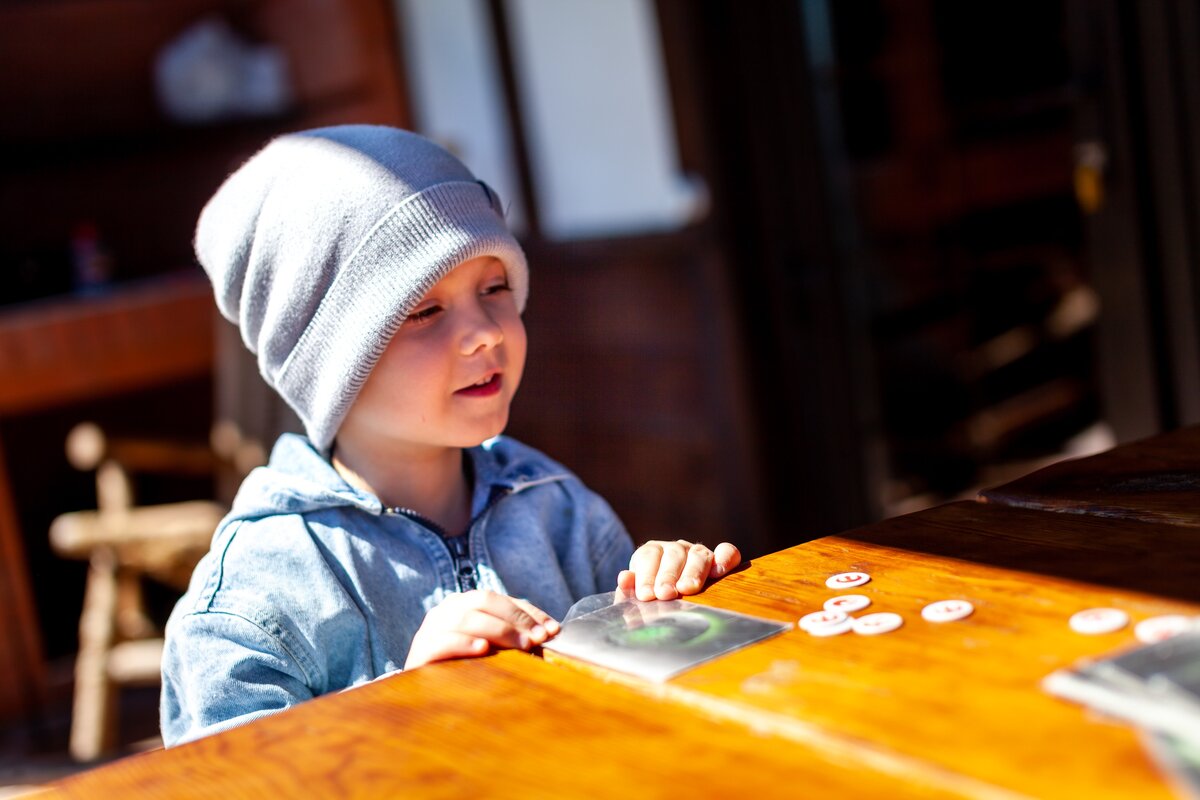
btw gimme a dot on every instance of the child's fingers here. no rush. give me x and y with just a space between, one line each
523 624
626 580
726 558
465 624
549 624
695 571
670 566
625 592
482 625
644 564
499 606
666 570
498 631
443 645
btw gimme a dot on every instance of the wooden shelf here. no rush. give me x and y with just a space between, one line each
135 335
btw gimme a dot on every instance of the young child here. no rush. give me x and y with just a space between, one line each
376 282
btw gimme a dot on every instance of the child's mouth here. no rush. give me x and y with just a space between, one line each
484 388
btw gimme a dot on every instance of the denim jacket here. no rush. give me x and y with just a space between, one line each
312 586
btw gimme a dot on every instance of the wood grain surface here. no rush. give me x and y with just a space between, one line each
509 725
956 703
1154 480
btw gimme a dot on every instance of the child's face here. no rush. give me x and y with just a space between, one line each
450 372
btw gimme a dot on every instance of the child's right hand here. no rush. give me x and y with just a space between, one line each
467 624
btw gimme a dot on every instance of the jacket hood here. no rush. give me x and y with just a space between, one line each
298 478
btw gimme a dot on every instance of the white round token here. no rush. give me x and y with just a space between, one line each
847 580
822 619
1099 620
1157 629
947 610
832 630
848 603
881 622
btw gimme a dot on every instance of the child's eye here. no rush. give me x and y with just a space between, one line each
497 288
423 315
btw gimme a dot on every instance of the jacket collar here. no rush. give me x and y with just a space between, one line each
301 478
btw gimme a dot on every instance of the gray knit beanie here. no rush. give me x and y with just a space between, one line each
324 241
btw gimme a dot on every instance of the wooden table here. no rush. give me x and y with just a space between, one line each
1155 480
506 726
959 699
950 709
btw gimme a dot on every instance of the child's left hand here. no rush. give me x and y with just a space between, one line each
666 570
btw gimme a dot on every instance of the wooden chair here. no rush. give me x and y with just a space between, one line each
123 542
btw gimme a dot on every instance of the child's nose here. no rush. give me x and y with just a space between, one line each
481 332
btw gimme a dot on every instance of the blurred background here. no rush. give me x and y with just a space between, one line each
797 266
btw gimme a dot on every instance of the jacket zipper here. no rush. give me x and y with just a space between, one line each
459 546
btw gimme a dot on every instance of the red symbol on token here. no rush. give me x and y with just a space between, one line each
849 578
838 602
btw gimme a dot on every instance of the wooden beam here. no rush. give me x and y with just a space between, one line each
69 349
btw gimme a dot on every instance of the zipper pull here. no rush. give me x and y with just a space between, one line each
466 578
465 568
